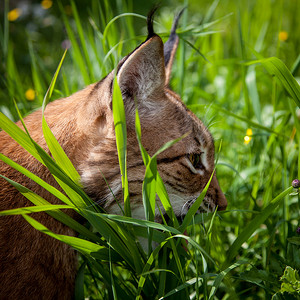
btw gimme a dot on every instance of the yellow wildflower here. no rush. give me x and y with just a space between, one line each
14 14
283 36
248 136
46 4
30 94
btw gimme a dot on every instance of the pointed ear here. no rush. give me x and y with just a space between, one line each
170 47
142 73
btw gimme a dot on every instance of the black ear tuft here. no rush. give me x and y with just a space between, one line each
173 39
175 22
170 47
150 17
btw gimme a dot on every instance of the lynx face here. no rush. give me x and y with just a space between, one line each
185 167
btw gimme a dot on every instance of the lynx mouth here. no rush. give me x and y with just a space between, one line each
207 206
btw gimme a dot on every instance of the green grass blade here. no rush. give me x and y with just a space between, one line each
220 277
30 195
78 58
169 144
32 209
36 151
83 246
295 66
254 224
147 267
18 135
58 215
244 119
210 12
145 155
149 182
105 32
253 93
278 69
14 81
79 283
194 208
149 189
36 76
155 253
5 40
36 179
165 200
108 229
159 187
121 139
143 223
83 43
196 49
183 286
57 152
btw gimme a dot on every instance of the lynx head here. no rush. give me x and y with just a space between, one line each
185 168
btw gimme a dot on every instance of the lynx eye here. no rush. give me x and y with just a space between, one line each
195 159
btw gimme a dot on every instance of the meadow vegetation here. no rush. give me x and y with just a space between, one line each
237 68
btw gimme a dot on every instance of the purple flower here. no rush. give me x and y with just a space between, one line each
296 184
298 230
66 44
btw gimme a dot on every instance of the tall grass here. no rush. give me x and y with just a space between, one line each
235 70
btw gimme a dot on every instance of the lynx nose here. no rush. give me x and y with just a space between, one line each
220 198
221 201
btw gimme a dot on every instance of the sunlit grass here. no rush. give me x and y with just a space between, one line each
236 66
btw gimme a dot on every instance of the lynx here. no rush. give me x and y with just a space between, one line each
35 266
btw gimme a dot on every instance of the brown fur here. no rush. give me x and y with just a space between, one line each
35 266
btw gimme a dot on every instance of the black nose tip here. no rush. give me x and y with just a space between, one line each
222 207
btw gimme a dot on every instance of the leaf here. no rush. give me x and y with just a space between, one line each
290 281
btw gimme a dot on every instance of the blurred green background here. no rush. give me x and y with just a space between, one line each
34 32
